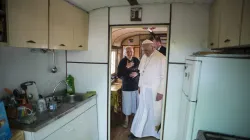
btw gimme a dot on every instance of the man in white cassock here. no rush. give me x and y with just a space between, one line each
152 90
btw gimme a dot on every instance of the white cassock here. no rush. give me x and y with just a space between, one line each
152 81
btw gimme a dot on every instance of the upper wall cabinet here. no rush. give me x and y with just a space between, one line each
80 30
61 26
245 30
230 23
68 26
28 23
3 23
214 23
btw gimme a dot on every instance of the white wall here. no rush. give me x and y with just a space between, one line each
188 36
189 33
154 13
94 76
18 65
189 30
174 91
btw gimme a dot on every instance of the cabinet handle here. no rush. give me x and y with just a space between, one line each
211 44
31 41
62 45
227 40
80 46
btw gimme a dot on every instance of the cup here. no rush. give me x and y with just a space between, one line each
23 111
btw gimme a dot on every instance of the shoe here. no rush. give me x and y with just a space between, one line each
131 137
125 125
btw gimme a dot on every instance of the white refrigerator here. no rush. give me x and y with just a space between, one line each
215 96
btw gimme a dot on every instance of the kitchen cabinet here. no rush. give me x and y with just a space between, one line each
80 30
86 125
245 28
214 23
61 26
79 124
230 23
68 31
83 127
28 23
225 25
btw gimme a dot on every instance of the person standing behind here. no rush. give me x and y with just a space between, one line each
158 46
152 86
129 73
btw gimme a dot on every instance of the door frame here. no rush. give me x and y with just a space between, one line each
168 25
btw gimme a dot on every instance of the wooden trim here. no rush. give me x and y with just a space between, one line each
139 24
87 62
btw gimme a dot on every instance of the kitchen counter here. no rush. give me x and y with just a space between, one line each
46 118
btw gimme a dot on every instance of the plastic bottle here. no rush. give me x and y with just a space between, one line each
71 84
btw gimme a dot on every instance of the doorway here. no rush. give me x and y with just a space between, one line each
122 37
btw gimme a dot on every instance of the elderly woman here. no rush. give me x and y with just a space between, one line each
128 72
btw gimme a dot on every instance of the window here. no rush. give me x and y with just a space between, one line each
113 61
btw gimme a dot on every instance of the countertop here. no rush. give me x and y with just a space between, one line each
45 118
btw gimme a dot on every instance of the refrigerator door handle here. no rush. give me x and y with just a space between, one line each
187 97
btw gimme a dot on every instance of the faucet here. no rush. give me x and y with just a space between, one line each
63 81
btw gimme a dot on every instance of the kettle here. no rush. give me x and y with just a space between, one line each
31 90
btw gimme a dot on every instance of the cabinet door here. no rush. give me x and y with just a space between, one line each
61 27
81 26
28 23
245 31
214 25
86 125
230 23
67 132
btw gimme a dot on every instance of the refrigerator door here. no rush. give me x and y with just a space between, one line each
191 79
186 118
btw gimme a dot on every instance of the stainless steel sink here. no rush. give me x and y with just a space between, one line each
73 98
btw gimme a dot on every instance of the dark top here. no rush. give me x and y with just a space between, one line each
163 50
128 83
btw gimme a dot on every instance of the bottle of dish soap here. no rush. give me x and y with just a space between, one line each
41 104
71 84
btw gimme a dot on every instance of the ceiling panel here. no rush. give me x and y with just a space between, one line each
89 5
119 34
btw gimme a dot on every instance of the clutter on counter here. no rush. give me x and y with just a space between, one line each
28 110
